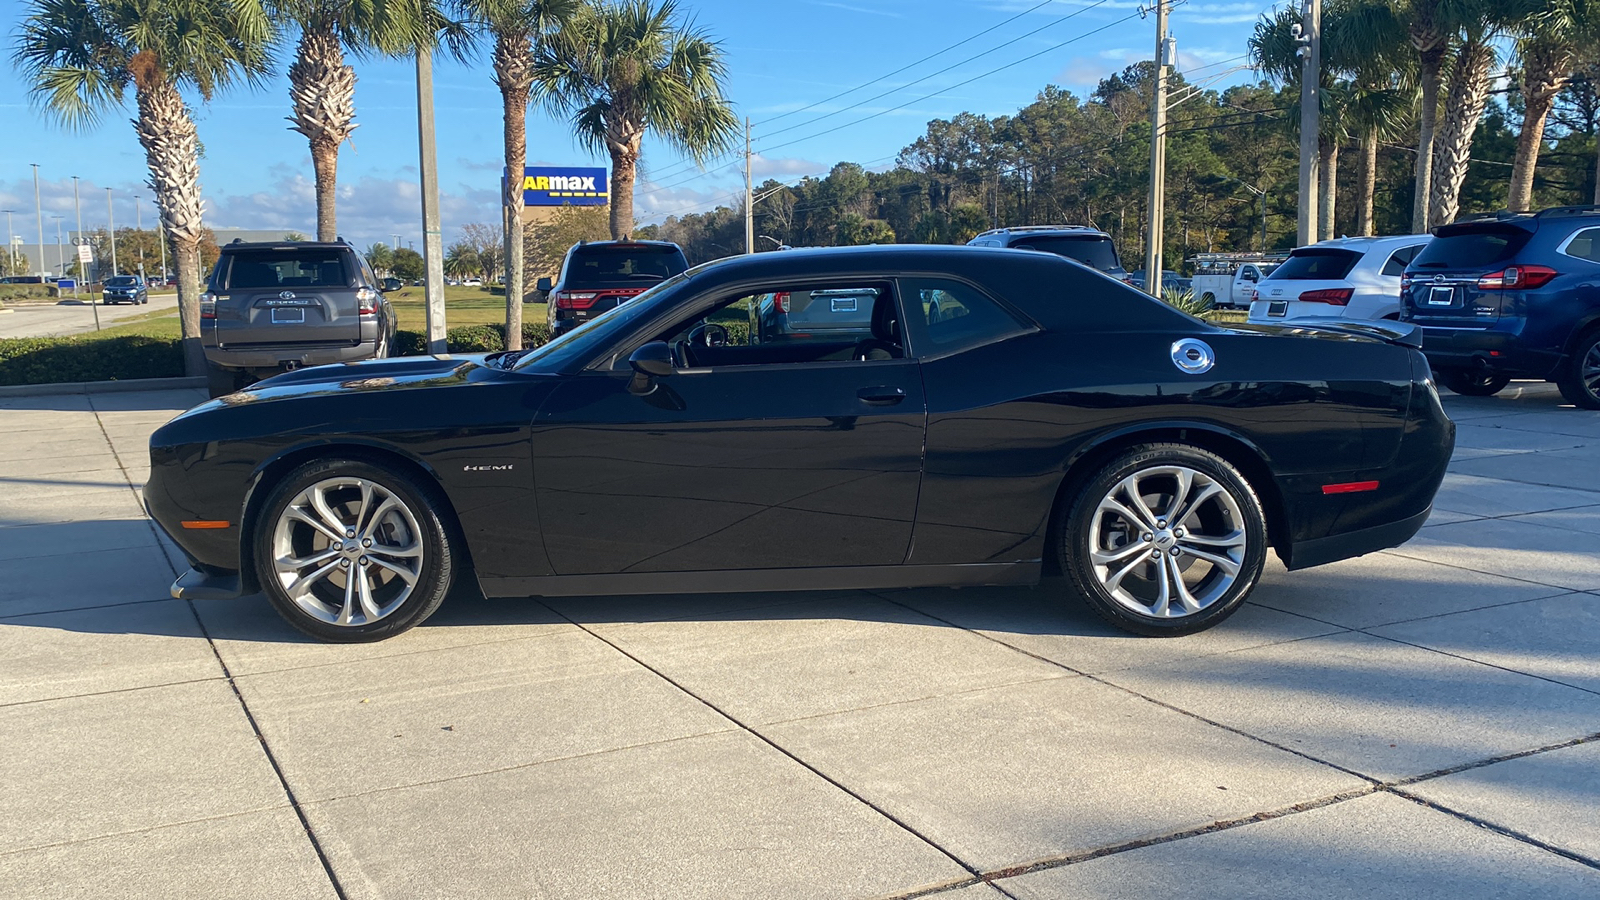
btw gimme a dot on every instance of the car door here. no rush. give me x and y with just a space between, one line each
753 456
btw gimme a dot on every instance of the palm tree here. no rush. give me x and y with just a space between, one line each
1552 36
516 26
623 68
322 85
82 56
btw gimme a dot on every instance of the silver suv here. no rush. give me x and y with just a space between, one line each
272 307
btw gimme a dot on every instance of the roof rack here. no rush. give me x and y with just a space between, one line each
1566 211
1016 228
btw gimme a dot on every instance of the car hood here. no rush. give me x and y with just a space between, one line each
408 372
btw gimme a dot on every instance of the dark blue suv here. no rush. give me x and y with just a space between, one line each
1512 295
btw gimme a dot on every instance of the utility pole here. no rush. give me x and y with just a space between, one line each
432 239
61 257
749 198
11 249
1158 157
138 228
38 211
111 232
1309 35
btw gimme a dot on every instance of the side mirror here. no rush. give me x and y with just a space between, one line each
544 285
653 359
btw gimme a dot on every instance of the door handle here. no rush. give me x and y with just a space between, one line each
883 395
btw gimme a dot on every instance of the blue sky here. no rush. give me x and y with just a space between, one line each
783 60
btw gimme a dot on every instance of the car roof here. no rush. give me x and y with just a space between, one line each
628 243
1359 243
286 245
1046 231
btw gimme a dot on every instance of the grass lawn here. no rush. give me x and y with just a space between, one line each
463 306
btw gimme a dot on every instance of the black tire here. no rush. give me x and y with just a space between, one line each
1579 378
433 575
1082 529
1472 382
220 381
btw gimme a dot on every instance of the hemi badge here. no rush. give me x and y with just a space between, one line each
1350 487
205 523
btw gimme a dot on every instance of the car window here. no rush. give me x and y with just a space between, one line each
1477 247
947 316
629 264
1095 251
1584 245
1396 265
287 268
1316 263
790 324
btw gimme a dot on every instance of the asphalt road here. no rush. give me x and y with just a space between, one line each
53 320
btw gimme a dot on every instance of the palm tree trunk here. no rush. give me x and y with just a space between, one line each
1469 93
1545 72
1431 57
322 90
1368 180
624 167
1327 187
171 150
513 70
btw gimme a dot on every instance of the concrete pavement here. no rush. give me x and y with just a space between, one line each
1422 722
67 318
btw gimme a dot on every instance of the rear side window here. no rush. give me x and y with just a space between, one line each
1584 245
1396 266
1094 252
947 316
255 269
1316 265
642 265
1478 249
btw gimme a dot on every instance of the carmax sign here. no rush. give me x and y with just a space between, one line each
564 186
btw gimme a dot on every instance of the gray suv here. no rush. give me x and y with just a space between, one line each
1090 246
272 307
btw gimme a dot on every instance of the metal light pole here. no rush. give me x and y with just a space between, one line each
1158 158
138 227
1309 35
38 211
61 261
432 239
11 249
749 200
111 232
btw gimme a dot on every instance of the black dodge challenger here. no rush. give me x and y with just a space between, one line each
1011 414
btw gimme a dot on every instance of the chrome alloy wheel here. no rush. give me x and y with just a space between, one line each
347 551
1589 370
1167 541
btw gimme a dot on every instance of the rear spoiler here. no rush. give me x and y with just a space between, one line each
1405 334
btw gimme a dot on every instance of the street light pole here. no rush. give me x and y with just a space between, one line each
111 232
61 261
38 211
432 239
1158 159
11 249
138 228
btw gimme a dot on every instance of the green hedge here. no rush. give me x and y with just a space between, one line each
55 360
471 339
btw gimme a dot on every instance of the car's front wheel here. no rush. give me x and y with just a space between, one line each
1165 540
1473 383
1580 374
350 551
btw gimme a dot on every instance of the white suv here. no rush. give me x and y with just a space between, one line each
1356 278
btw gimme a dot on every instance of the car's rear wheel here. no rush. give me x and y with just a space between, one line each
1580 374
1165 540
350 551
1473 382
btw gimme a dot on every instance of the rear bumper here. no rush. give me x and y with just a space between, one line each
289 356
1357 543
1501 348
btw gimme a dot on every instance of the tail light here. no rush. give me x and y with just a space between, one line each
575 299
1254 296
1405 282
208 305
368 300
1331 296
1513 278
781 301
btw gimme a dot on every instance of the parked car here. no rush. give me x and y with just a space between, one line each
124 289
596 276
1512 296
472 282
1352 278
1090 246
1229 280
821 315
272 307
1045 418
22 279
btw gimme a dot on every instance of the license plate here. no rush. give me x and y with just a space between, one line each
844 304
288 316
1278 308
1441 296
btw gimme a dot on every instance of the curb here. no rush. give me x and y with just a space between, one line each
101 387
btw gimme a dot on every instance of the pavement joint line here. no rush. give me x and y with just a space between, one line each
146 830
1501 830
418 652
905 826
1563 592
107 693
76 552
1490 761
1168 706
1545 584
50 612
1479 661
888 703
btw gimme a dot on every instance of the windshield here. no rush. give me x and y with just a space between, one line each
122 281
584 343
1093 251
606 265
1316 264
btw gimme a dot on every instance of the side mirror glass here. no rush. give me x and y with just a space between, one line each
544 285
653 359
